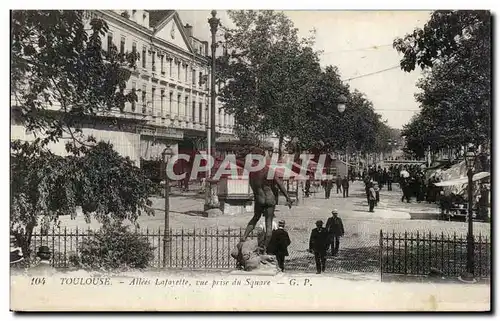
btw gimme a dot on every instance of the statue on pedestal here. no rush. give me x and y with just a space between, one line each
265 192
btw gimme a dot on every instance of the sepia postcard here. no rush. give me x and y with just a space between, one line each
250 160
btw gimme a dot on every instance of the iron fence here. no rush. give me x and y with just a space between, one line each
210 249
186 248
423 253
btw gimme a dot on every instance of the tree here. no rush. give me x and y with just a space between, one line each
59 75
267 72
59 65
454 49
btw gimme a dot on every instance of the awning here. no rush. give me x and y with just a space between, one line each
463 180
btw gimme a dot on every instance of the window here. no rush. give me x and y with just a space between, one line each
221 118
170 103
170 68
161 65
200 113
110 41
162 111
186 74
193 112
122 45
143 99
200 75
133 14
179 71
186 106
134 91
194 76
178 105
143 57
153 67
153 91
134 48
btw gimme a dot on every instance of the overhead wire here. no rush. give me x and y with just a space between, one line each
375 47
372 73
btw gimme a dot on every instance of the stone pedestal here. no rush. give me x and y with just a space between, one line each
235 196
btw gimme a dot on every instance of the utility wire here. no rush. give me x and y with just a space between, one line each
375 47
372 73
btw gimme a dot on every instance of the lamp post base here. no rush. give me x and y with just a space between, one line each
212 205
467 277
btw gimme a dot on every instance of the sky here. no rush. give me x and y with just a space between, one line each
358 43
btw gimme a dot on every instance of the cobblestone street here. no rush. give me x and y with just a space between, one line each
359 248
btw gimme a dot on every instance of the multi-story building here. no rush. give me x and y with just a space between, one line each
171 80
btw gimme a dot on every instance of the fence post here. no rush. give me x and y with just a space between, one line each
182 247
64 257
393 246
406 252
430 250
228 247
217 248
418 271
53 247
194 248
205 250
381 259
160 263
480 255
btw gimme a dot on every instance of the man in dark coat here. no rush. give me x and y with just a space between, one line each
372 197
279 244
317 245
389 180
335 229
328 188
345 187
338 182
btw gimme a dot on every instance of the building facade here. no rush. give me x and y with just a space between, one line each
171 81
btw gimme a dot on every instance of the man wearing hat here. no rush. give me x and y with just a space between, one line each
317 244
16 253
44 265
335 229
279 244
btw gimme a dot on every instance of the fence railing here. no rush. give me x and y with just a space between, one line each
210 249
185 248
419 253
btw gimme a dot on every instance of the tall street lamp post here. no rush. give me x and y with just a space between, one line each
167 153
211 198
341 105
470 158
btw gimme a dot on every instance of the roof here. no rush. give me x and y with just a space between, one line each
157 16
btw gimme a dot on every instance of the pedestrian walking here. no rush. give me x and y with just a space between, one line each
328 188
372 197
345 187
307 190
279 244
335 230
377 193
338 182
317 244
389 181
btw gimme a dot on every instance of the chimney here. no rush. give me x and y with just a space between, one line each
189 30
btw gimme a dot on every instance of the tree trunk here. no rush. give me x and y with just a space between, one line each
280 146
24 239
